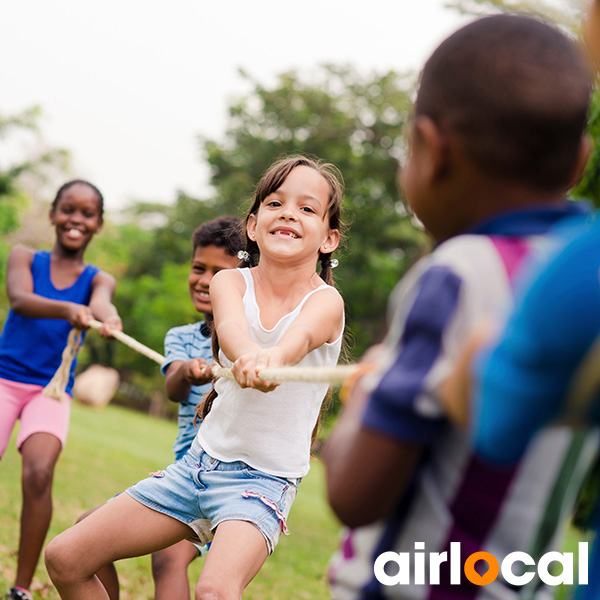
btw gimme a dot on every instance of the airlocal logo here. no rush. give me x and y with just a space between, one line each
512 572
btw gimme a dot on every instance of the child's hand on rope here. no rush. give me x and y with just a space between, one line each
109 325
455 392
247 367
79 315
196 371
354 384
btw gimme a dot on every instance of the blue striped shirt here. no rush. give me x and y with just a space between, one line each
183 343
455 496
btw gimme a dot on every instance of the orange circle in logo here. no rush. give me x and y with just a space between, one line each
473 576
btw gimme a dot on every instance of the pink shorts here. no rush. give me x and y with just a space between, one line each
38 413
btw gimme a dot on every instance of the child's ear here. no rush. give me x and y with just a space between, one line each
331 242
51 216
432 146
99 227
251 226
585 149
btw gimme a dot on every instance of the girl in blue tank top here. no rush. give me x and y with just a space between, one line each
49 293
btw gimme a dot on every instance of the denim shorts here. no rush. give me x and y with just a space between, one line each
202 492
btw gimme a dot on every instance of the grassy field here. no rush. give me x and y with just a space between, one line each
111 448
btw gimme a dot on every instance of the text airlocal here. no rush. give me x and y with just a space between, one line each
517 568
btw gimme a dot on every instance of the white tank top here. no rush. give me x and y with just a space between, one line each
269 431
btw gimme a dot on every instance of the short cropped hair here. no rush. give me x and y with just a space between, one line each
517 93
65 186
222 232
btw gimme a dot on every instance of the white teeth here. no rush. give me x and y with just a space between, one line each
287 233
75 233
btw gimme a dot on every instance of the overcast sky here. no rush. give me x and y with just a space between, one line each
128 85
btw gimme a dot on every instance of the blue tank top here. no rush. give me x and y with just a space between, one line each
31 349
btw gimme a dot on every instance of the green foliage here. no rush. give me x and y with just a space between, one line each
172 228
9 222
585 511
589 186
13 201
36 164
356 122
149 307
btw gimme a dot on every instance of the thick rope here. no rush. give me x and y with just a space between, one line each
332 375
57 385
132 343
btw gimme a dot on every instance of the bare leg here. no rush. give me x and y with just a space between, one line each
236 555
121 528
39 454
108 575
169 571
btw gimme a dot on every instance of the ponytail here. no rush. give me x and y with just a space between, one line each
203 407
327 265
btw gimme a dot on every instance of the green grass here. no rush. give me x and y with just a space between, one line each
109 449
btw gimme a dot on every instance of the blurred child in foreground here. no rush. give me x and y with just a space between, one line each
496 142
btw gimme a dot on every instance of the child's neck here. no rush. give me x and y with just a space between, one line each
65 267
283 279
279 290
61 254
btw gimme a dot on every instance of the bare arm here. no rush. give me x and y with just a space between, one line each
320 321
367 472
23 301
103 289
226 291
181 375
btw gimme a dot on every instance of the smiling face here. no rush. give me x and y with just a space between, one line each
206 262
76 216
292 221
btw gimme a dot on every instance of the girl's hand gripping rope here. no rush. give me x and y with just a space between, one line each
79 315
109 326
246 369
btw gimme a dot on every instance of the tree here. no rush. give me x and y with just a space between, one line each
36 166
356 122
589 186
172 227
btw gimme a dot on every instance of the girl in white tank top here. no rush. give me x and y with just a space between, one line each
257 434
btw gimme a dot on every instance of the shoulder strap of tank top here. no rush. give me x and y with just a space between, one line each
248 279
305 299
